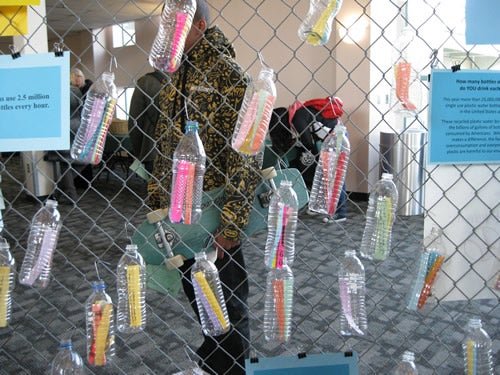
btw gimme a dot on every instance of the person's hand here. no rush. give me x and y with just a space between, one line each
221 243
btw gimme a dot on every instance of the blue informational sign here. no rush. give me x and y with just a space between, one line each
317 364
464 124
34 102
481 22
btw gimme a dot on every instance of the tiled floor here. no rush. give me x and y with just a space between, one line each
94 231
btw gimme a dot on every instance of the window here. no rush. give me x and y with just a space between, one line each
124 34
123 102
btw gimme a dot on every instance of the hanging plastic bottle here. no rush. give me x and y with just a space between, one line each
317 26
100 326
97 113
380 216
255 114
352 295
209 297
42 242
131 287
175 23
330 172
404 75
67 361
7 281
281 224
278 305
478 359
430 263
187 177
407 365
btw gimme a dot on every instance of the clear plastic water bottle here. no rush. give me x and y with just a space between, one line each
317 26
278 305
431 260
380 216
478 359
42 242
175 23
100 326
329 175
255 114
352 295
7 281
405 91
407 365
131 287
97 113
209 297
187 177
281 227
67 361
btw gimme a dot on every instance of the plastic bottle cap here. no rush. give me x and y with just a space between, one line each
66 343
51 203
99 285
191 125
131 247
387 176
475 323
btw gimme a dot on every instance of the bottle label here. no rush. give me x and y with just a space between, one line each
134 295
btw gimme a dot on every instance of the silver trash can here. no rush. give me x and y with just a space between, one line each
403 155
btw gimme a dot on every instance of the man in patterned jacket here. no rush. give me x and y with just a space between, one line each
209 87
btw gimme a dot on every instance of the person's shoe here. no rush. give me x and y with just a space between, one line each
337 218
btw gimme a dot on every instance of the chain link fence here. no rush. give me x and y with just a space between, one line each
461 200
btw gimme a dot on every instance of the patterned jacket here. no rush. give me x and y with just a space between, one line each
208 88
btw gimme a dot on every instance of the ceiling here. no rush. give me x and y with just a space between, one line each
68 16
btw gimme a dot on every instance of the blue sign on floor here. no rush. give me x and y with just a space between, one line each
317 364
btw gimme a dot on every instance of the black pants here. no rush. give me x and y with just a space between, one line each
225 354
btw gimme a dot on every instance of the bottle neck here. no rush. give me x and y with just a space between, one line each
65 344
51 203
108 76
131 249
475 324
200 256
350 253
266 74
408 356
286 184
191 127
